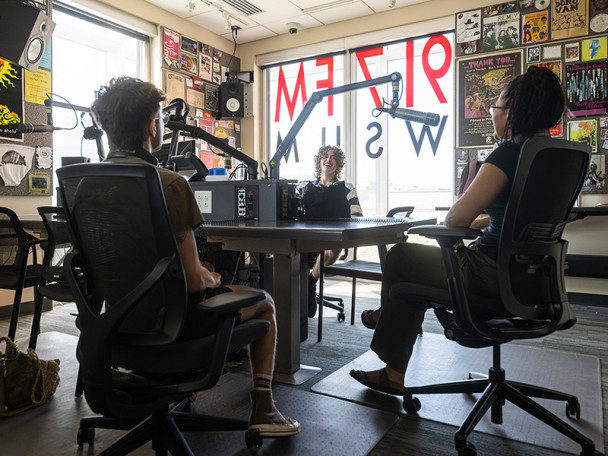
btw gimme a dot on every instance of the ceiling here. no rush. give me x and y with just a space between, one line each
259 19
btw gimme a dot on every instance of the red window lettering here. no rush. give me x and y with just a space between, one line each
327 83
434 74
361 56
282 89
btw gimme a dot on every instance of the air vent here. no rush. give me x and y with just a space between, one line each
244 7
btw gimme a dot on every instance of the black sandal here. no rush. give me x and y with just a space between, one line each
383 386
367 318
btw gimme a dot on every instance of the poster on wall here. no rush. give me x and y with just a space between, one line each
594 49
175 86
15 162
171 48
595 182
554 65
535 27
583 131
569 18
586 88
501 31
468 32
480 81
205 67
11 100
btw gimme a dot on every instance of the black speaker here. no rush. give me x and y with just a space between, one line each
26 33
231 100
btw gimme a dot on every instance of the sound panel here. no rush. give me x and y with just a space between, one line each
231 100
26 31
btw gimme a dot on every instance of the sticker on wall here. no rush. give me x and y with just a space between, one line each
594 49
583 131
586 88
533 54
569 18
11 100
15 162
205 66
501 32
535 27
171 48
523 4
44 157
39 183
598 13
188 45
571 52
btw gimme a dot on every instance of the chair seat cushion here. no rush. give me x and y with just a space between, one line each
57 291
359 269
183 356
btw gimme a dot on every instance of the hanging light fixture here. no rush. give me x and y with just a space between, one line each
391 3
190 5
226 16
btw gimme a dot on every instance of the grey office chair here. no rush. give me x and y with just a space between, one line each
531 262
130 290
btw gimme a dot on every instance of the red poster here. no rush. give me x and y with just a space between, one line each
171 48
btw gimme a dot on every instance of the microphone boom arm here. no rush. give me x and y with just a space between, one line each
317 97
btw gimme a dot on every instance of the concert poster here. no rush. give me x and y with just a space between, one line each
583 131
535 27
171 49
586 88
569 18
554 65
11 100
480 81
501 32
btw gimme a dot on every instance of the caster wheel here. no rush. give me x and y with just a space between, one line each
411 405
85 435
253 440
341 317
467 450
573 410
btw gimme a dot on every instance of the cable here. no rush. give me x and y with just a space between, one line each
50 96
234 35
238 260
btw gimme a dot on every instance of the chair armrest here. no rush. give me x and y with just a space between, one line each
445 232
232 302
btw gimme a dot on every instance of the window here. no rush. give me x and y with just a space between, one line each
391 162
87 53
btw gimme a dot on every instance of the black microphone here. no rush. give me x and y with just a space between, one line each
49 111
427 118
395 101
31 128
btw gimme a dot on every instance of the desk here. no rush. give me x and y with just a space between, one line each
587 265
286 240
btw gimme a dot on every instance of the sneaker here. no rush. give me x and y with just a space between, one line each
267 419
312 296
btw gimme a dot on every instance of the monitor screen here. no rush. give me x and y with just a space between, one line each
162 154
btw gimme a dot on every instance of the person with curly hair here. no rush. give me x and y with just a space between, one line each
329 162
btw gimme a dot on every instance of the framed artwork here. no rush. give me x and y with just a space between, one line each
571 52
583 131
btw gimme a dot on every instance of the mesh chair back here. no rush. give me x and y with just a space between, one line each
549 177
59 242
120 227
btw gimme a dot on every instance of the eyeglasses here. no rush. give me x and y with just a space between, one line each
494 107
164 118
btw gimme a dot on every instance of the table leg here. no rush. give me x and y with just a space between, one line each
287 283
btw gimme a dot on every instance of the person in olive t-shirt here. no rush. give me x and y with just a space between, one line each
128 110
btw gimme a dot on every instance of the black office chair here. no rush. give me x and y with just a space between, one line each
531 262
355 269
15 273
53 283
130 290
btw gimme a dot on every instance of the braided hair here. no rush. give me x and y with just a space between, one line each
535 100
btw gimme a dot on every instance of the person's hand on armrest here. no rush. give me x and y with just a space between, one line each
198 278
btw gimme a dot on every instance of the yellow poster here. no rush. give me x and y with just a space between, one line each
569 18
37 85
594 49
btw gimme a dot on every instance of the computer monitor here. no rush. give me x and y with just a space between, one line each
72 160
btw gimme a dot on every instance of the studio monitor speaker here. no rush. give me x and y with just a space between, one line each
231 100
26 32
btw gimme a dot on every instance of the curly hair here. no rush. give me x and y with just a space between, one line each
123 108
322 153
535 100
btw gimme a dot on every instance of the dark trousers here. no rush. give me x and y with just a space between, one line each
400 322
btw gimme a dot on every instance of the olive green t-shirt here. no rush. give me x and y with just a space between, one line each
184 213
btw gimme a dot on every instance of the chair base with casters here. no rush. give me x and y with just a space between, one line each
496 390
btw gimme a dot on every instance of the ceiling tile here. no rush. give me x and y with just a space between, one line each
342 13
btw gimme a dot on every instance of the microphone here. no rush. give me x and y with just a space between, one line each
427 118
25 128
395 87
